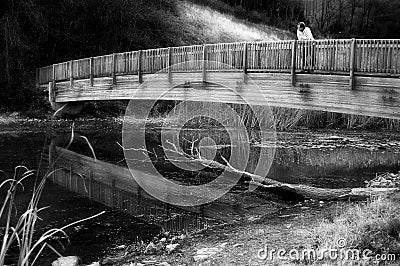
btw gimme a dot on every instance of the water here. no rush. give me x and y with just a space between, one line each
132 214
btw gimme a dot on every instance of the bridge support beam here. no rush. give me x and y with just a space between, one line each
170 64
72 108
353 48
139 71
204 63
245 62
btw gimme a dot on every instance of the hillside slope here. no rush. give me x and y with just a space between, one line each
211 26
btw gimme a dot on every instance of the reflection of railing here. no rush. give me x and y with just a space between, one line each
113 186
348 165
330 56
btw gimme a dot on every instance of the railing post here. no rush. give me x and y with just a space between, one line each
294 61
140 77
52 86
54 74
245 56
91 71
169 64
71 73
114 69
204 62
353 51
302 54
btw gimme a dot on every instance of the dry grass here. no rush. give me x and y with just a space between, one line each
289 119
374 225
7 118
215 26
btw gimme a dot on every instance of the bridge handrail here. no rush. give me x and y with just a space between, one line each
334 56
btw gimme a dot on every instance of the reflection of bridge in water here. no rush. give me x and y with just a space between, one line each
347 76
114 186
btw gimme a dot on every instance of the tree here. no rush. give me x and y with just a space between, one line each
20 24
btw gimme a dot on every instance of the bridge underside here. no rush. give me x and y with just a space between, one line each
371 96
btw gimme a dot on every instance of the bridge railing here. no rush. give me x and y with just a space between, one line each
364 57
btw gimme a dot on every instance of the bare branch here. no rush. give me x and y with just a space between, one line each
135 149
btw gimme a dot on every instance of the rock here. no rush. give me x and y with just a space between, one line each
205 253
182 236
171 248
151 249
94 264
66 261
162 240
238 245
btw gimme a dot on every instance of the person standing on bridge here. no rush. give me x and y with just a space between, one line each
308 52
304 33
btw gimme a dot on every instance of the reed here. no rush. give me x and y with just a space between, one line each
285 119
23 232
291 119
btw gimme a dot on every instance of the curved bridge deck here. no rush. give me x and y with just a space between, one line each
348 76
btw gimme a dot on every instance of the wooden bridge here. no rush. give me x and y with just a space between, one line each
348 76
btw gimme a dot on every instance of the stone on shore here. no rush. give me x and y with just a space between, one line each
66 261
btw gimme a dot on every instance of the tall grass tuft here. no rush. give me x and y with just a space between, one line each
284 118
23 232
374 225
290 119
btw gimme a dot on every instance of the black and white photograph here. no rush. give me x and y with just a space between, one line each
189 132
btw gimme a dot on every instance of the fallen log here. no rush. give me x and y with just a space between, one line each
305 191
